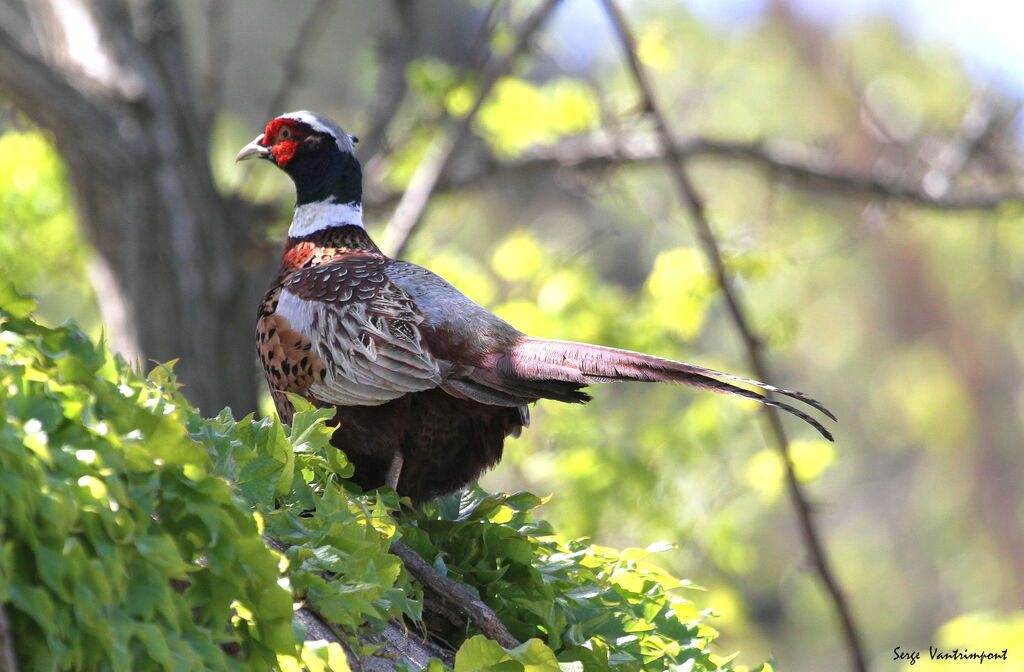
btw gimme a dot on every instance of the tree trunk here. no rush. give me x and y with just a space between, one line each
179 266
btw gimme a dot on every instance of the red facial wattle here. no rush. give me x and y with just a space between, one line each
284 152
283 137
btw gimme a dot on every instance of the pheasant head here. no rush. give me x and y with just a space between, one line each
320 158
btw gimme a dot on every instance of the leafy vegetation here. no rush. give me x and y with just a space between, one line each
42 245
132 538
906 320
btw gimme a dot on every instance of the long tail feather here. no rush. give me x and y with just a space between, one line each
585 364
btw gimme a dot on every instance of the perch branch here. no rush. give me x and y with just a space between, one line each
473 607
395 639
692 200
414 201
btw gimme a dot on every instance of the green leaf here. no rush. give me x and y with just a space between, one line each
13 303
133 526
480 653
535 656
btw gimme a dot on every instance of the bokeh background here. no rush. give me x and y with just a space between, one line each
861 165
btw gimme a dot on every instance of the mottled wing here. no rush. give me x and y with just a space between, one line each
364 330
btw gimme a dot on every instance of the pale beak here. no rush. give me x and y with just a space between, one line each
254 150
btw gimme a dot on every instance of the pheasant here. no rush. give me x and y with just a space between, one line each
427 384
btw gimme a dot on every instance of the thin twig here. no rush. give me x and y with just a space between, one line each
476 54
8 661
414 201
217 54
977 122
396 47
800 167
752 343
292 71
305 38
474 59
455 593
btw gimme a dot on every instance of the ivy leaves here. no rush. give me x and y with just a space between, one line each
133 536
122 550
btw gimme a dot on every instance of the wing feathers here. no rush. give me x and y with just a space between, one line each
366 330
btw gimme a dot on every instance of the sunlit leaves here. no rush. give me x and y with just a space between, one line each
519 113
518 257
480 653
976 632
133 538
652 46
765 470
680 288
103 504
42 248
922 387
595 606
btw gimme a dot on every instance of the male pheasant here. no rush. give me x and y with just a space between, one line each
427 383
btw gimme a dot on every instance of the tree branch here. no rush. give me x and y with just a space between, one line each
477 53
305 38
8 661
32 86
473 607
802 168
395 640
977 122
753 345
374 146
292 73
395 48
414 201
217 52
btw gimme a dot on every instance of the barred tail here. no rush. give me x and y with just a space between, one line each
537 359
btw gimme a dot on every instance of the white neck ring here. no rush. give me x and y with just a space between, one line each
312 217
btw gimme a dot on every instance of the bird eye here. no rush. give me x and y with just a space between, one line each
285 133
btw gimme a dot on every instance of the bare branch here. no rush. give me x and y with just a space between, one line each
395 48
800 167
414 201
474 59
978 120
305 38
478 612
8 661
292 72
217 54
477 52
753 345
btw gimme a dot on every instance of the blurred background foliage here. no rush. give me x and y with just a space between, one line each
903 315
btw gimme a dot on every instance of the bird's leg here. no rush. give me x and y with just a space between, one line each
394 471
